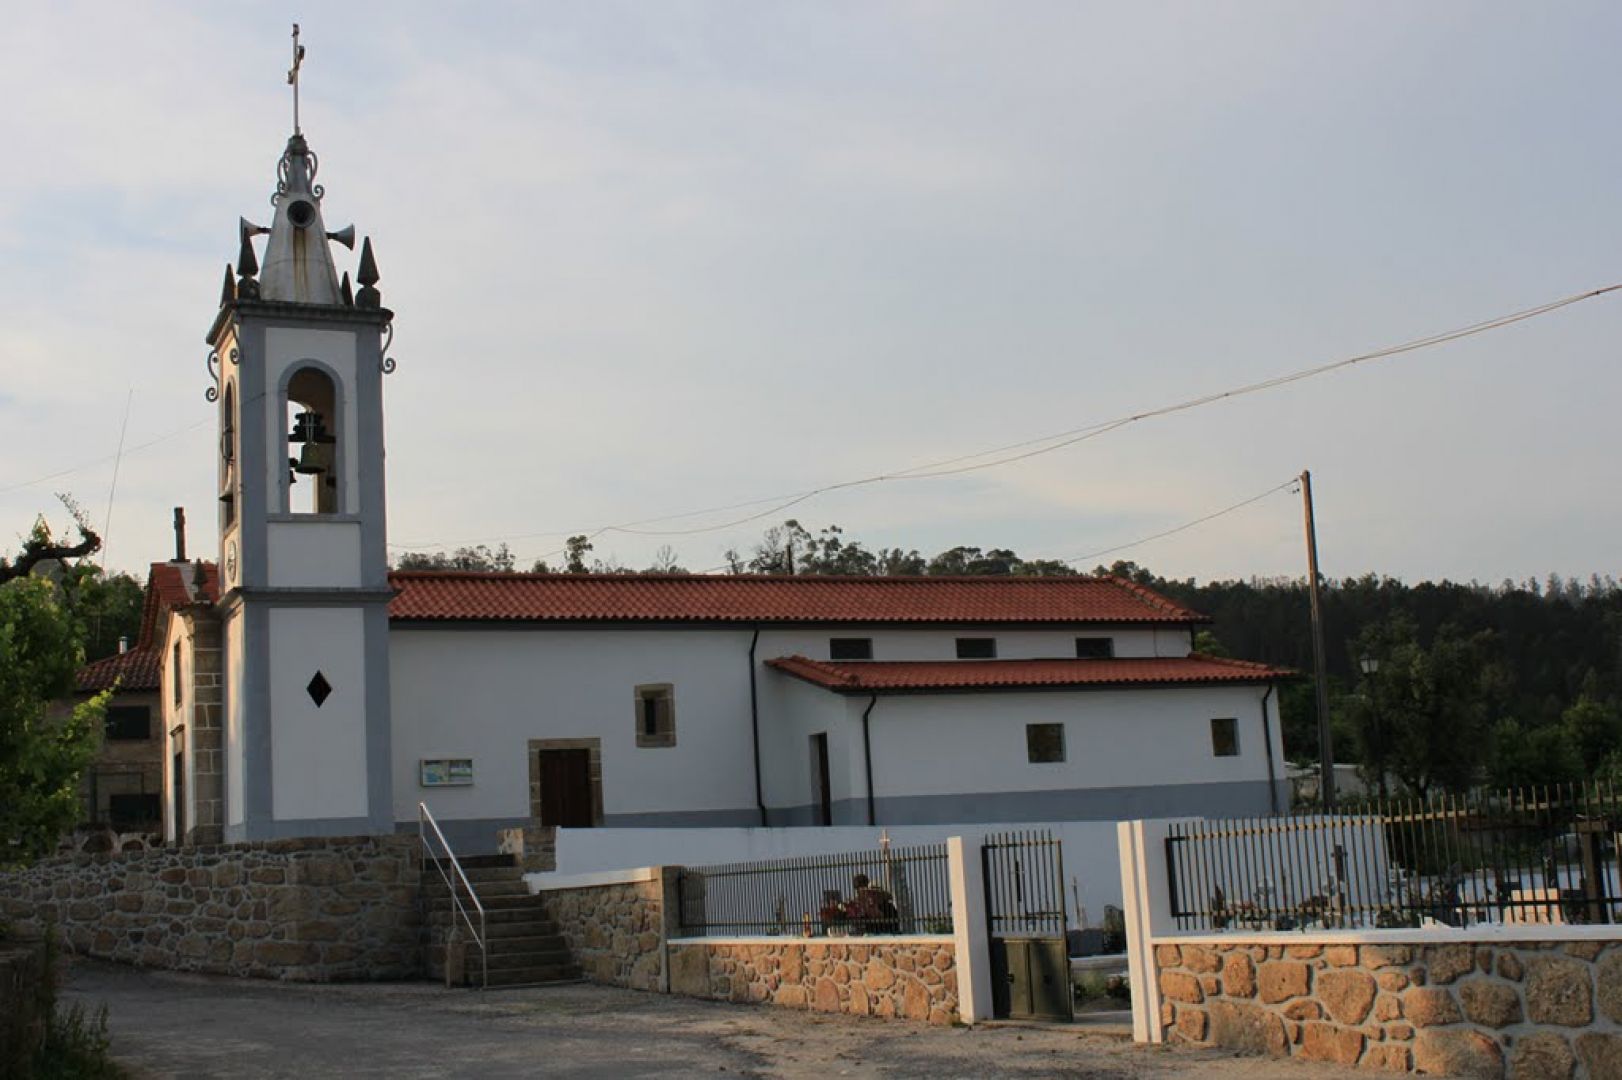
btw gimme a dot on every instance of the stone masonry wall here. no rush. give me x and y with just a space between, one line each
206 815
1525 1009
311 910
913 979
616 932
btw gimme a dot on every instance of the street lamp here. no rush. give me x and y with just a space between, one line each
1371 667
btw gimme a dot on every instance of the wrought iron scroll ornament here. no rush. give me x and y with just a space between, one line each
212 394
387 365
282 168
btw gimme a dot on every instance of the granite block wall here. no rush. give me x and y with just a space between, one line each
1525 1009
309 909
913 978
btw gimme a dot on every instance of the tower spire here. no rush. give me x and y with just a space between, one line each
292 75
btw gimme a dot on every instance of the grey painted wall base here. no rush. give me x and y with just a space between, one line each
287 830
469 836
479 836
1247 798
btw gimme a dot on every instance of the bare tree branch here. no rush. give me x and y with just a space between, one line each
40 546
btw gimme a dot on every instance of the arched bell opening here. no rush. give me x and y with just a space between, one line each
228 457
312 425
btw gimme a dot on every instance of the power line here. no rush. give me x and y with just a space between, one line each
1290 483
1047 444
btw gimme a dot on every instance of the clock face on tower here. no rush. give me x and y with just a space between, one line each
231 561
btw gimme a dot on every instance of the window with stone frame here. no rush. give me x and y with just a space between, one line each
656 715
1044 743
1225 737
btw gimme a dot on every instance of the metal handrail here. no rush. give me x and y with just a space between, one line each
425 817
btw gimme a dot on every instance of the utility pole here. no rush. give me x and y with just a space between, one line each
1326 746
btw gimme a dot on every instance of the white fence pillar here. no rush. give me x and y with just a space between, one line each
1146 898
972 946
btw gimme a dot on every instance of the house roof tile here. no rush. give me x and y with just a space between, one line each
435 596
923 676
139 668
136 669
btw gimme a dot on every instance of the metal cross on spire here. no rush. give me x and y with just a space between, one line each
292 75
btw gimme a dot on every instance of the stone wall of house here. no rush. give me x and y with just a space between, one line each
309 909
206 816
915 979
1525 1009
617 932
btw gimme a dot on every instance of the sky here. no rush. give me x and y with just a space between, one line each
652 258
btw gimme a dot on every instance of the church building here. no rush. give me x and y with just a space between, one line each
306 690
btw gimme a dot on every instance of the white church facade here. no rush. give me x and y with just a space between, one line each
310 691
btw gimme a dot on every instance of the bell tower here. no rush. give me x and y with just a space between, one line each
298 358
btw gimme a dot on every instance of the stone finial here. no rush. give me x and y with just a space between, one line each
247 261
368 297
229 292
346 291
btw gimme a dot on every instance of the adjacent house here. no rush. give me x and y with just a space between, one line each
123 788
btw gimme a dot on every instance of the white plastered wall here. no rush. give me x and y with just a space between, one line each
235 698
937 744
318 753
177 731
940 643
485 693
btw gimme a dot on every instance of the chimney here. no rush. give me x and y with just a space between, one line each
180 534
123 644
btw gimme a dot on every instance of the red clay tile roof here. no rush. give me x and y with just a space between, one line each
166 589
922 676
455 596
140 667
136 669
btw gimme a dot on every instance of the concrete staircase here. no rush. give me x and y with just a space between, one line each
525 947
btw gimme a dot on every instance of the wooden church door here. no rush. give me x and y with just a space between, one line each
565 777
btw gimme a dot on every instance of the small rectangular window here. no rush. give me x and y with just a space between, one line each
850 648
976 648
129 722
175 673
1225 737
656 715
132 811
1044 743
1095 648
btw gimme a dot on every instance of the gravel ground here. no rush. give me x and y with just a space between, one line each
165 1024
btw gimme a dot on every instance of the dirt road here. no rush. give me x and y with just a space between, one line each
170 1025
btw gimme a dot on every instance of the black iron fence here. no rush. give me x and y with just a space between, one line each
1024 875
899 890
1530 855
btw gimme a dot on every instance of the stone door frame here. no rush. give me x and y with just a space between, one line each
594 748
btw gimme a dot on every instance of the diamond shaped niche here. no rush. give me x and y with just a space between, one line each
319 689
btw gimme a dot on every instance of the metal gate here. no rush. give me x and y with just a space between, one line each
1025 920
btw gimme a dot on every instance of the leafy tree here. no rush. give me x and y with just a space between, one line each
1522 756
41 756
479 557
1432 707
575 549
1593 729
107 606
